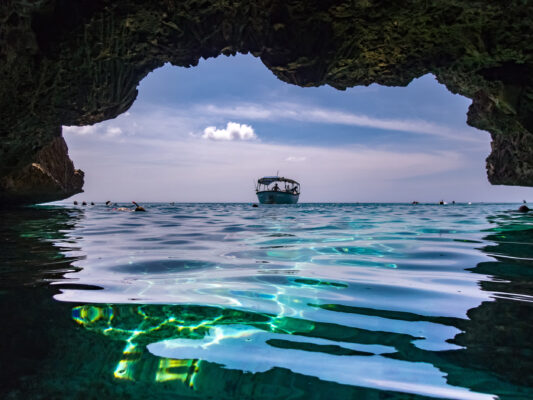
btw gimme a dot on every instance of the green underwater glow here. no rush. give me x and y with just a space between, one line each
219 333
141 325
203 313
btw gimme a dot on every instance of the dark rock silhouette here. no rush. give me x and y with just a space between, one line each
50 176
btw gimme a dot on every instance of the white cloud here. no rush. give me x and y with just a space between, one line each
233 131
113 131
171 123
295 159
98 129
298 112
80 130
246 110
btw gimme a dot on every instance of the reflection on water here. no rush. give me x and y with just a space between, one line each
227 301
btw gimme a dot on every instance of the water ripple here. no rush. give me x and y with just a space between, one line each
360 290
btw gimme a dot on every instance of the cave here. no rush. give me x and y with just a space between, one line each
77 63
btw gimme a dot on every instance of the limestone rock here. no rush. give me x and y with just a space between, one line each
50 177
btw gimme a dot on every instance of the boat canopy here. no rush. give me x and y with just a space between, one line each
267 180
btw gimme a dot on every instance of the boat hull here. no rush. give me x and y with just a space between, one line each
276 197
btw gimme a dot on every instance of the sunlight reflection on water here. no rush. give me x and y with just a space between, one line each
373 296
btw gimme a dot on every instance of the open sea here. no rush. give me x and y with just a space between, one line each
227 301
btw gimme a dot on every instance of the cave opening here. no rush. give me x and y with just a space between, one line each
206 133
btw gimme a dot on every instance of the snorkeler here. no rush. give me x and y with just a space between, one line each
138 207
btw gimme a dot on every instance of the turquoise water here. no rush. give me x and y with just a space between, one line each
302 301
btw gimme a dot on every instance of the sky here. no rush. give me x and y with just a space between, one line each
206 134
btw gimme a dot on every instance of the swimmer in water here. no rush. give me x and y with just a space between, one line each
138 207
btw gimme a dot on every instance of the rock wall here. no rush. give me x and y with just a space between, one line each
78 62
51 176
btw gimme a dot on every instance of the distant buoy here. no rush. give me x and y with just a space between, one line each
255 205
75 203
84 203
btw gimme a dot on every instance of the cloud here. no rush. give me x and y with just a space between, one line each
172 123
246 110
113 131
302 113
295 159
98 129
80 130
233 131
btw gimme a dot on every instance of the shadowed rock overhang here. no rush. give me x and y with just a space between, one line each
78 62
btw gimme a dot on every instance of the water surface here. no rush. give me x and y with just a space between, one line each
300 301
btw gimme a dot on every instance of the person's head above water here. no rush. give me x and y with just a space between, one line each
138 207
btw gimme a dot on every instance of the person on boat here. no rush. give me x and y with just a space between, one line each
275 188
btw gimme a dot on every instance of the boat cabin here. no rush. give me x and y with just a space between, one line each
277 190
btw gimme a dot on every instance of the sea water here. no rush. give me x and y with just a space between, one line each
228 301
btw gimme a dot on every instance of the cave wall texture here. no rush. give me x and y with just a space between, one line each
78 62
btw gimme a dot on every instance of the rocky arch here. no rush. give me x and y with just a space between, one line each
78 62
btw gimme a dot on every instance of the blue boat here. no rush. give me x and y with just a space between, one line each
268 190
